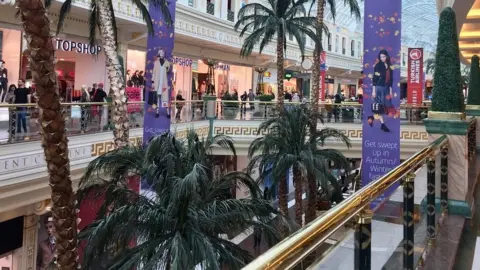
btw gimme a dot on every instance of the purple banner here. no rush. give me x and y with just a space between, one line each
158 75
381 92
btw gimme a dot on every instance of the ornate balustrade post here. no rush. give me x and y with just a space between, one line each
363 240
431 200
408 221
444 179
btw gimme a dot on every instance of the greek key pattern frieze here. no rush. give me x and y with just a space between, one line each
101 148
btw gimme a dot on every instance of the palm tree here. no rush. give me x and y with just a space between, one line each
332 4
287 145
183 224
36 26
429 65
102 16
280 19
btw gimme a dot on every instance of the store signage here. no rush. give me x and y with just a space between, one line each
323 72
222 67
186 62
79 47
415 76
37 160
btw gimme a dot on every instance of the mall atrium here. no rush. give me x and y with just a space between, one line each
239 134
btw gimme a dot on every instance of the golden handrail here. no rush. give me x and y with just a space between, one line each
296 247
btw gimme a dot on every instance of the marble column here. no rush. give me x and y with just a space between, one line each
28 257
460 187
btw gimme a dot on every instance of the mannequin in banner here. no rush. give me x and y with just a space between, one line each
160 82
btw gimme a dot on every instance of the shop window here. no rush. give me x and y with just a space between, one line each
230 12
10 52
210 7
329 40
352 48
337 43
344 45
359 49
190 3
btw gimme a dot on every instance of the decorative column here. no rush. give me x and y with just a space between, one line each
408 221
363 241
447 117
444 180
431 200
209 103
28 259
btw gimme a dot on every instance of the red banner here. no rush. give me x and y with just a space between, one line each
415 76
134 94
323 67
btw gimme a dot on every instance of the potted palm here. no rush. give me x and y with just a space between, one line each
179 223
230 105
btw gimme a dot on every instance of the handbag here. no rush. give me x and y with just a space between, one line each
378 108
152 98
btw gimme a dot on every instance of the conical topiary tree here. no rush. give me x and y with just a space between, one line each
474 82
447 79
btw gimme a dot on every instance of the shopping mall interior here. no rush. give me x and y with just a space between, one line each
212 143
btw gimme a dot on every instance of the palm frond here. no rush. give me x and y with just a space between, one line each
64 11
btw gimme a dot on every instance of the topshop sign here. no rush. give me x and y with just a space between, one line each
79 47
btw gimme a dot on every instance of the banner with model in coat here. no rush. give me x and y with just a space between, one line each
381 92
159 74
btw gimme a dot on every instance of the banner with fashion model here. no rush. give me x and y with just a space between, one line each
381 92
323 71
415 76
159 74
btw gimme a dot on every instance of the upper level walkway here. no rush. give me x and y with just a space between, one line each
23 175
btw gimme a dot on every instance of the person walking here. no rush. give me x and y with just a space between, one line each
251 98
3 81
179 105
243 106
97 110
22 96
84 98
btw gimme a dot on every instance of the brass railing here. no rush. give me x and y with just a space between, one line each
297 249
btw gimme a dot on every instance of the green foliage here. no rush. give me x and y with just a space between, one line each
275 18
266 97
447 80
474 86
230 97
286 144
181 225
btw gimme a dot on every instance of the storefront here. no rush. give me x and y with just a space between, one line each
77 62
348 86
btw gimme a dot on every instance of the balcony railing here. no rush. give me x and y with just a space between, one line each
347 112
414 231
210 8
231 15
18 121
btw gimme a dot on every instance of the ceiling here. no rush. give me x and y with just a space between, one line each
468 18
419 22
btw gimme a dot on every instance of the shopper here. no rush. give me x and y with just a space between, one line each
243 98
179 104
135 79
22 96
98 96
141 79
84 109
251 97
3 81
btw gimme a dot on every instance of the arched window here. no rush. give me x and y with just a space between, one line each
337 43
352 48
329 40
344 45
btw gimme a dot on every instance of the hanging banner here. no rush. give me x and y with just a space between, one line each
415 76
134 95
381 81
158 75
323 71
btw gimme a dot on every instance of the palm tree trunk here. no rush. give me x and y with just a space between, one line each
115 76
283 196
297 179
36 26
280 74
312 181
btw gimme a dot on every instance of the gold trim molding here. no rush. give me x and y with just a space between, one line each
446 115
